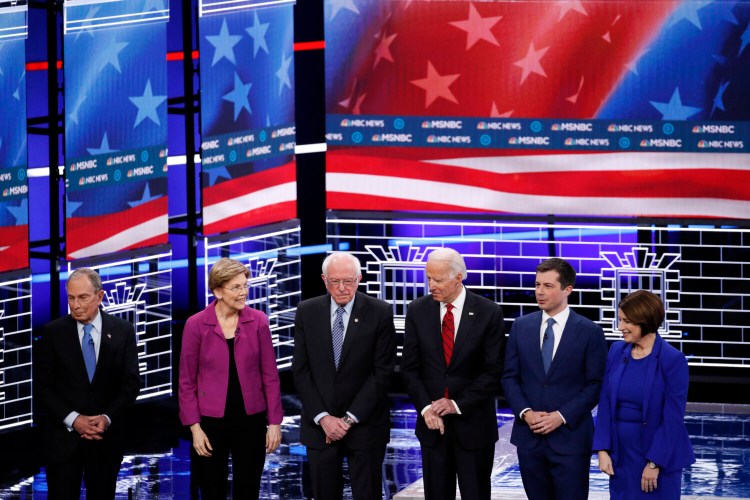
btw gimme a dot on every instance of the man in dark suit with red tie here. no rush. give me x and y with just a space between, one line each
554 366
87 378
344 356
451 368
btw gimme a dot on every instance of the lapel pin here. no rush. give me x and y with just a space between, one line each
471 314
109 335
356 320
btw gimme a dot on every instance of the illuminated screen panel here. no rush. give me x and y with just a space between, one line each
138 289
272 255
14 190
586 108
247 115
701 273
115 126
16 408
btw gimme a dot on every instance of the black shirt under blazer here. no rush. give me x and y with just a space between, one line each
63 385
473 377
360 385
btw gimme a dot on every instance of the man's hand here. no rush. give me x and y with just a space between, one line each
649 479
100 422
201 444
334 427
443 407
83 426
542 422
434 421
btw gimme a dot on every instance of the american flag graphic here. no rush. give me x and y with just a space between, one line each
614 61
247 97
115 134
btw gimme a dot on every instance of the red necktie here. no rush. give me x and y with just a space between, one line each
448 331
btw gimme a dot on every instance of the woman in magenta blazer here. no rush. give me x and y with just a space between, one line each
229 391
640 431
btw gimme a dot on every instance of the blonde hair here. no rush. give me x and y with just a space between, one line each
224 270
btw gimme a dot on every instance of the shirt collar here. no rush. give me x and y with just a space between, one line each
97 322
561 318
347 308
459 302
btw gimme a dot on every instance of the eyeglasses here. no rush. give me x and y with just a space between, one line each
237 289
336 282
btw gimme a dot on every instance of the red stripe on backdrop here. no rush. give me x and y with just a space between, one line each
688 183
180 56
265 215
354 201
16 256
83 232
249 184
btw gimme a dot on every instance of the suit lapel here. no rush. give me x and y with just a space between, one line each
614 383
358 314
465 327
567 344
324 334
74 342
653 362
531 343
105 344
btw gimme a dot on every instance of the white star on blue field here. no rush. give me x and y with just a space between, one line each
147 104
238 96
674 109
224 44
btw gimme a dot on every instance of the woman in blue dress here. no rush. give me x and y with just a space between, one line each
640 433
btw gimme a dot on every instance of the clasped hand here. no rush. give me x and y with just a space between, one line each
334 427
542 422
91 427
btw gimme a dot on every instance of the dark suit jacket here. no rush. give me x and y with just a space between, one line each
473 377
664 433
360 385
571 386
64 386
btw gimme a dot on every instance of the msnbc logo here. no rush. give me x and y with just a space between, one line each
345 122
513 140
431 139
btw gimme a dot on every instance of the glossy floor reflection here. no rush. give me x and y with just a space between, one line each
721 441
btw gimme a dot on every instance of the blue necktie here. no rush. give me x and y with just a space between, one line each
89 353
338 335
548 344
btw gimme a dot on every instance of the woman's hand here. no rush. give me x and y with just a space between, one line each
200 441
648 479
605 463
273 438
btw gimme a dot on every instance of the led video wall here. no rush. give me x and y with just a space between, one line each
701 273
115 126
594 108
247 114
14 197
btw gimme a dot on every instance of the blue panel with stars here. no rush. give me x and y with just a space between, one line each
247 94
116 134
14 211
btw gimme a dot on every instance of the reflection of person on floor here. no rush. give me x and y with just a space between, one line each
229 390
451 368
640 433
344 357
553 372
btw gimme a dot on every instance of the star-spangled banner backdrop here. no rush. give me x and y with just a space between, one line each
601 108
116 133
248 166
14 197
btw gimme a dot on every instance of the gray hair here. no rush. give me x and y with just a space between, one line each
454 259
90 274
342 256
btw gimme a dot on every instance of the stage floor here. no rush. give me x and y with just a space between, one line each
720 435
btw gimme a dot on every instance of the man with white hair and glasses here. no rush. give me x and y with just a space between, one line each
344 356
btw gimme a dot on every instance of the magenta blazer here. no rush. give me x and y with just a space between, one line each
204 367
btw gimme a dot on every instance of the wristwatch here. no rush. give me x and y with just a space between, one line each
348 420
652 465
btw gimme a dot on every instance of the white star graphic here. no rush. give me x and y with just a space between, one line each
258 33
568 5
436 85
478 27
337 5
494 113
530 63
224 44
382 51
283 73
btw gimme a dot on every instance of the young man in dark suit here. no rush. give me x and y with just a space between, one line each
451 367
554 366
87 378
344 356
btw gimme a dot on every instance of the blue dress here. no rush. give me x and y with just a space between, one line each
626 483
